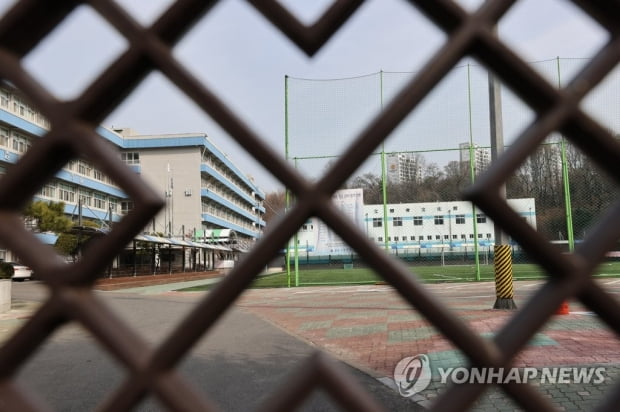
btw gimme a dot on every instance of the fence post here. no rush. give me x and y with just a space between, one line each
386 233
287 262
472 173
566 183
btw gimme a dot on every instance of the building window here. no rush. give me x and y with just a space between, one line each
66 193
98 174
437 237
84 168
99 201
20 144
131 158
398 221
412 238
479 235
391 210
471 235
86 198
48 190
420 238
380 239
439 220
395 238
488 236
429 237
4 99
4 137
417 221
377 222
455 237
480 218
460 219
113 205
126 207
463 237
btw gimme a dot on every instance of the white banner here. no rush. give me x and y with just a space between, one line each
351 203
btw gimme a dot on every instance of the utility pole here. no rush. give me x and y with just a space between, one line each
502 252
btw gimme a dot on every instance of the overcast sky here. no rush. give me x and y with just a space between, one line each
238 54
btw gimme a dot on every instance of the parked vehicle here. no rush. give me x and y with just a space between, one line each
21 272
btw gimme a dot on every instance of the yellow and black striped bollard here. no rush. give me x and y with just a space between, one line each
503 278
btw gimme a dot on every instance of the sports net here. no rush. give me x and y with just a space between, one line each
412 185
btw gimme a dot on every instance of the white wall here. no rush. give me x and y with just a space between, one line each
179 168
430 233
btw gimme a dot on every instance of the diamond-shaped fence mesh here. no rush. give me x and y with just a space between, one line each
151 369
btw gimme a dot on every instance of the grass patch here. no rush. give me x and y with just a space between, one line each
429 274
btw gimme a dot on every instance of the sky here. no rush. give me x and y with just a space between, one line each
241 57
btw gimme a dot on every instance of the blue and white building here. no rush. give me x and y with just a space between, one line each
206 193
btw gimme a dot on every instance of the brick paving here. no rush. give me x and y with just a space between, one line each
372 328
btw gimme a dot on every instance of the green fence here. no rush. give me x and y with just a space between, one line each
412 186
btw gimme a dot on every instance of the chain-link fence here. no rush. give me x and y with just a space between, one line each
412 186
153 368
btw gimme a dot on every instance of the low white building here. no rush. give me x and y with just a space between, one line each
455 226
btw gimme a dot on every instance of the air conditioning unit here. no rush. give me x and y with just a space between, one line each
188 192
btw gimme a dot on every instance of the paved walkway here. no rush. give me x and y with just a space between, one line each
373 328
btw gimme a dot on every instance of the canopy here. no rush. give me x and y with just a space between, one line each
178 242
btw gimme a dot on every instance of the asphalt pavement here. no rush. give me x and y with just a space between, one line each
237 364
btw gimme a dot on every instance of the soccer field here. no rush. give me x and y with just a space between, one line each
464 273
429 274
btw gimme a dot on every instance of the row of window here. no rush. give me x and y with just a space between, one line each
232 177
19 107
419 220
69 194
433 237
20 143
14 140
423 209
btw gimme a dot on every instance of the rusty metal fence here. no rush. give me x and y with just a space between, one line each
151 369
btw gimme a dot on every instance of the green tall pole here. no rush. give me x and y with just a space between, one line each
472 173
386 232
296 246
565 181
287 262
